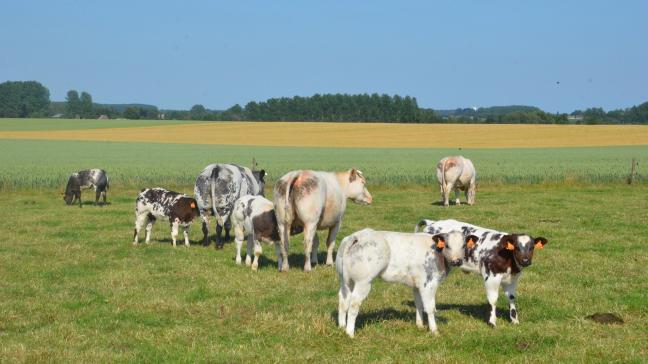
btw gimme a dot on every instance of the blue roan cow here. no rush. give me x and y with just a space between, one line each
90 178
217 187
158 203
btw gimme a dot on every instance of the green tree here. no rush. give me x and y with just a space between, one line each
85 106
132 112
73 107
21 99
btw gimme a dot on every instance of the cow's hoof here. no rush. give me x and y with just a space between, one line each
492 324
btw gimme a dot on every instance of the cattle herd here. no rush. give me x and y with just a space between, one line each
307 201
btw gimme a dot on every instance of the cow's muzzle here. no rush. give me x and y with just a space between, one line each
456 262
525 262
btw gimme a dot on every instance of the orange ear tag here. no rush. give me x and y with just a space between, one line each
441 244
539 245
193 205
509 246
470 244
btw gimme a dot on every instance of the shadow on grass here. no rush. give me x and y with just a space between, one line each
480 312
368 318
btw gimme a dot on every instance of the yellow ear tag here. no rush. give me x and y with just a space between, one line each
193 205
441 244
509 246
470 244
539 245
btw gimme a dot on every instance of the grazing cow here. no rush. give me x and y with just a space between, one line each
90 178
498 256
254 218
315 201
456 173
217 187
416 260
157 203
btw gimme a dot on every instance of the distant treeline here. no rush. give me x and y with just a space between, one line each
23 99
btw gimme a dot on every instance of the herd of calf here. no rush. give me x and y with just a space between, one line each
308 201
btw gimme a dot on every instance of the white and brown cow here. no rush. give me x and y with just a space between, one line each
456 173
89 178
217 188
157 203
253 218
315 201
419 261
498 257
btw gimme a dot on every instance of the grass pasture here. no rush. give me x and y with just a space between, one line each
75 290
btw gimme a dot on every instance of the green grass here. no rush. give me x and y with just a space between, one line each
69 124
45 164
75 290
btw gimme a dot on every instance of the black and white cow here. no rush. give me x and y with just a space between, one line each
157 203
498 256
217 187
90 178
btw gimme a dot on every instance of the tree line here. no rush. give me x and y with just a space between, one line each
24 99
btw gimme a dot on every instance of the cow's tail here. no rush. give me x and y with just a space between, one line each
443 177
212 186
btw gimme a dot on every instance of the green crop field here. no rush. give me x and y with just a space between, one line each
74 289
74 124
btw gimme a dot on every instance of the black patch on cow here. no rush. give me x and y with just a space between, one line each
513 313
265 226
151 218
496 236
511 297
248 208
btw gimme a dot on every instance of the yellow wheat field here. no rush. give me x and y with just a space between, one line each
360 135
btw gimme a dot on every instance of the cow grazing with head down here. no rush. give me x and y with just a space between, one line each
420 261
254 219
498 257
90 178
315 201
217 187
157 203
456 173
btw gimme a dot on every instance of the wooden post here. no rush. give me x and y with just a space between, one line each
254 164
633 171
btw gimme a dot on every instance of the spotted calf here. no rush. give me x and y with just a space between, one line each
253 218
157 203
416 260
498 256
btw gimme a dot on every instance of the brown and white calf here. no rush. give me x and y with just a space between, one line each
498 257
253 218
419 261
456 173
315 201
157 203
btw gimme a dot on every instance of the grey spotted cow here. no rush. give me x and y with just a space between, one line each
217 188
157 203
90 178
498 257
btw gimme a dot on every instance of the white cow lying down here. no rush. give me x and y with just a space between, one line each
420 261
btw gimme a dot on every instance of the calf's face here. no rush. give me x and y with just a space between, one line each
453 246
522 247
357 190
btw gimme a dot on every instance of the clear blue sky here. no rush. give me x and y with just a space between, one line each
446 53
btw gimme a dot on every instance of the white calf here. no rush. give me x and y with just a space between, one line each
416 260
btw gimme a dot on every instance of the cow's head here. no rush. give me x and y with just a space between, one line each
260 178
356 189
522 247
68 195
453 246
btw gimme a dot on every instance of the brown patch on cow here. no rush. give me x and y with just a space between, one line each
450 162
605 318
303 185
265 226
501 259
281 187
185 210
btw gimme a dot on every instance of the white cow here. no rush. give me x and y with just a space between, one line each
315 201
420 261
498 257
456 173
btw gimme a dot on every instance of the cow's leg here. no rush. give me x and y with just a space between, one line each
509 291
284 235
330 242
258 250
97 195
78 197
309 234
205 227
457 194
428 296
470 193
185 232
277 245
219 239
228 227
360 292
418 302
140 221
314 259
446 194
103 196
248 250
344 300
239 235
492 284
174 231
149 227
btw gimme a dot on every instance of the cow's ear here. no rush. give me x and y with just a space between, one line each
353 174
439 240
508 242
471 241
262 175
540 242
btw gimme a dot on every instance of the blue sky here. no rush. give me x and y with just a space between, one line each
445 53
